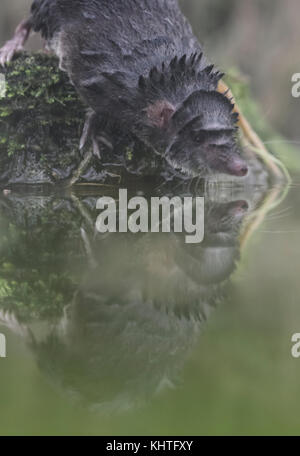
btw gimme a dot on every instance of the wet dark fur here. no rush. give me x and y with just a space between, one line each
126 57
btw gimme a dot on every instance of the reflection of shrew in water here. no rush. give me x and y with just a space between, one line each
138 311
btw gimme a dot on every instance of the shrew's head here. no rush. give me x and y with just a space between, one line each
185 118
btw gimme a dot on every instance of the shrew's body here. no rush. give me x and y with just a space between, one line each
139 63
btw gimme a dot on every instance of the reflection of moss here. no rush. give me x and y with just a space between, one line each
35 298
41 265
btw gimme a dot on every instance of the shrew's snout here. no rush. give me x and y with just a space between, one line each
238 167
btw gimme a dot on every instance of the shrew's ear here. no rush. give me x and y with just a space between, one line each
160 113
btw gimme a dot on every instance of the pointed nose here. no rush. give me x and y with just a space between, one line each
238 208
238 167
242 170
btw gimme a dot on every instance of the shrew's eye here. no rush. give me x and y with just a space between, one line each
199 137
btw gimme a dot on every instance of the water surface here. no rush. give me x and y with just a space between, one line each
144 334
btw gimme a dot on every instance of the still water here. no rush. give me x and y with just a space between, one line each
131 334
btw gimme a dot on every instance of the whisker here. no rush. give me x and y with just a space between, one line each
279 141
284 212
276 217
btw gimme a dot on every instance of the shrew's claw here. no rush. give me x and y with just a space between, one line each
16 43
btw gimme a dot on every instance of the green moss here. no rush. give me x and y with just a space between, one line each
13 147
129 153
33 280
38 76
43 115
41 109
5 112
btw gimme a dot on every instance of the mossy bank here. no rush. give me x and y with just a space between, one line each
41 121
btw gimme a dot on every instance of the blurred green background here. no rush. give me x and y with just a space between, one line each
241 378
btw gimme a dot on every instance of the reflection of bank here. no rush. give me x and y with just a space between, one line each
122 314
